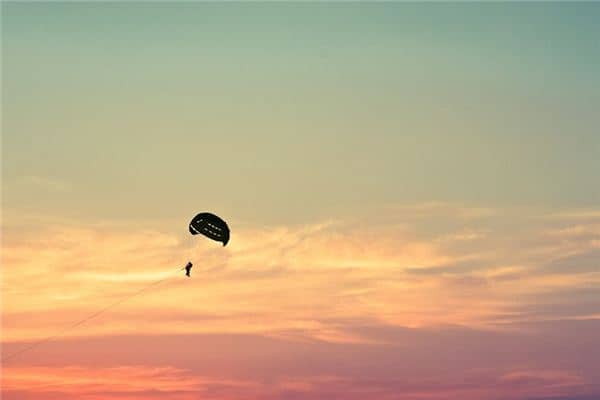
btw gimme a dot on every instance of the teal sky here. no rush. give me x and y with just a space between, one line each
284 113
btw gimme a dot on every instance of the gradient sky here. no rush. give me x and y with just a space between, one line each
413 192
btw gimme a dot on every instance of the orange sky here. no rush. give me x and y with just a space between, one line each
357 306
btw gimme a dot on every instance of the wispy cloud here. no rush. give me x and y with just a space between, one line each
403 275
45 183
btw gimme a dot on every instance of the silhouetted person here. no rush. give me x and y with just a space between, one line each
188 268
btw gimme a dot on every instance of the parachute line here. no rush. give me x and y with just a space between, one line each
89 317
204 223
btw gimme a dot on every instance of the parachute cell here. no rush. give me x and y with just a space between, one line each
210 226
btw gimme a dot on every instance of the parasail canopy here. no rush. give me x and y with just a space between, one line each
210 226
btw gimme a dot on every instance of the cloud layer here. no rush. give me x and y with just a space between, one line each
434 301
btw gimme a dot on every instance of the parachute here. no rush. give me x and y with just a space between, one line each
210 226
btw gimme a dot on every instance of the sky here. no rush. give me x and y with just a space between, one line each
412 191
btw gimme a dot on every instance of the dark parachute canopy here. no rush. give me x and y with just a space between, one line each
210 226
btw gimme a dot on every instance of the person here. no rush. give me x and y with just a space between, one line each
188 268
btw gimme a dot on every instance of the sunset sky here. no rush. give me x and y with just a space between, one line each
413 192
